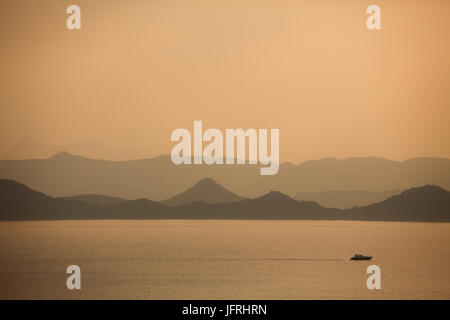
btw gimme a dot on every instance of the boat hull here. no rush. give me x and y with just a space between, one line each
361 258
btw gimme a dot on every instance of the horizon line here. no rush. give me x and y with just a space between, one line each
68 153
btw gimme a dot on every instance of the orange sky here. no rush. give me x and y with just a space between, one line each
140 69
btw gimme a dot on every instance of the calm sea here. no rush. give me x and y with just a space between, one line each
223 259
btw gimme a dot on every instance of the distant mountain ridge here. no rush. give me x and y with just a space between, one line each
427 203
159 179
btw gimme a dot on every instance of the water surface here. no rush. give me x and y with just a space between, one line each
178 259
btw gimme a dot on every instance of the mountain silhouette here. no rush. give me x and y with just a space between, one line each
343 199
95 199
137 209
276 205
427 203
18 202
274 200
206 190
159 179
66 156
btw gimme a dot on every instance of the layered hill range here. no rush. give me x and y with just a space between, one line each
18 202
331 182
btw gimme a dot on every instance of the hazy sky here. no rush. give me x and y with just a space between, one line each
140 69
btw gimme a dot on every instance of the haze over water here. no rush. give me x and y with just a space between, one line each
207 259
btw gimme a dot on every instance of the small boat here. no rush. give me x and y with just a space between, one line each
360 257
